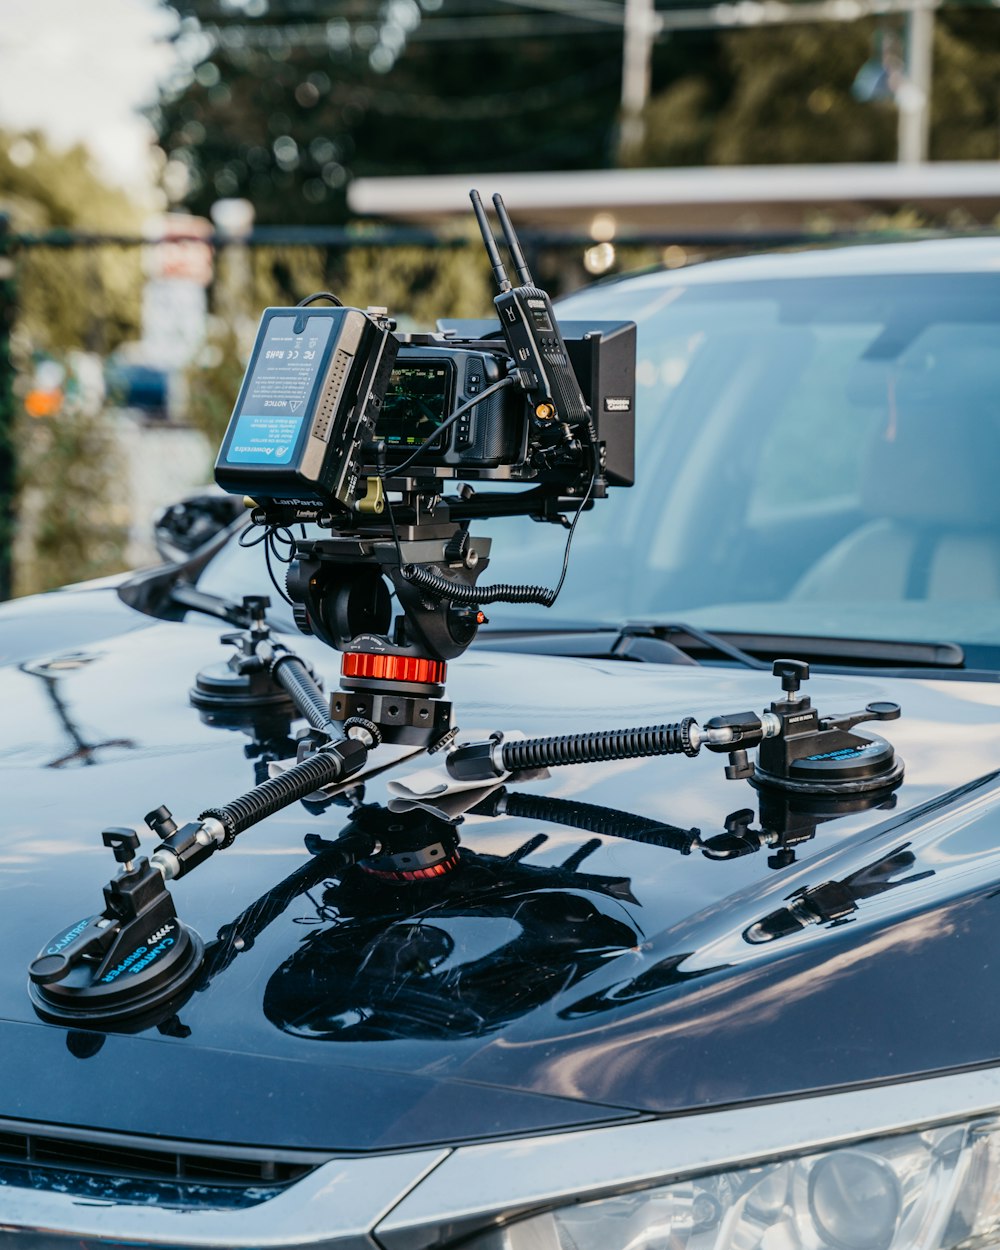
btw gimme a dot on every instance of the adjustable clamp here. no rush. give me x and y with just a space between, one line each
130 960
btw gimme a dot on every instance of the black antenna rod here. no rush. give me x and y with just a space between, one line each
503 282
507 226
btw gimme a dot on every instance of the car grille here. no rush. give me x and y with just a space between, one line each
82 1162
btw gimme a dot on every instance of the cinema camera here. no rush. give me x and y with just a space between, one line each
337 414
334 418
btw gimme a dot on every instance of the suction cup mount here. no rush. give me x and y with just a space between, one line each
241 688
818 755
134 959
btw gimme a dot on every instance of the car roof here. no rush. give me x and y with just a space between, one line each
975 255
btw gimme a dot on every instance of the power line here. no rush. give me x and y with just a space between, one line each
582 10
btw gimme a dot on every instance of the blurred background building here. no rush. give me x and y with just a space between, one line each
168 168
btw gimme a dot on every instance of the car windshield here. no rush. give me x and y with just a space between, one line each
815 456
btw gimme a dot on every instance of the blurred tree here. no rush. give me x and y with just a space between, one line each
284 110
965 114
783 95
68 301
791 99
42 190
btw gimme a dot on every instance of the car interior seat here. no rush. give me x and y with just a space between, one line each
930 489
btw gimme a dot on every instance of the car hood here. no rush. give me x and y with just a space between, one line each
587 961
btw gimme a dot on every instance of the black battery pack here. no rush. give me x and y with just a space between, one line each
308 403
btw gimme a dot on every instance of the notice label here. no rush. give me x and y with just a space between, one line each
263 440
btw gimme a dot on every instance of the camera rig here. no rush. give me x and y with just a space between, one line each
335 417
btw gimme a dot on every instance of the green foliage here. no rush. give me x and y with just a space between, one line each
65 299
68 469
965 114
287 122
782 95
44 190
418 285
213 381
792 99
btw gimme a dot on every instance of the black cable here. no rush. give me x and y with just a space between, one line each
274 581
283 534
245 540
606 821
572 529
474 596
268 536
451 419
501 592
381 468
311 299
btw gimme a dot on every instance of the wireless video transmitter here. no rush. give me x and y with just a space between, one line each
530 328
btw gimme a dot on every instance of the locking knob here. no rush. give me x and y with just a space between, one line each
792 673
883 711
161 822
123 842
256 605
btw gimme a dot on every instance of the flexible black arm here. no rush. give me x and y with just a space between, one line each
608 821
322 769
292 675
216 828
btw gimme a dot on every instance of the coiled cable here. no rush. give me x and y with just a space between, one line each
504 592
591 748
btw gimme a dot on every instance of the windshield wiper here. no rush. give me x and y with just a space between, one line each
681 643
861 654
713 642
646 644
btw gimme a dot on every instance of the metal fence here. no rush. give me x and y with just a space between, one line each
120 356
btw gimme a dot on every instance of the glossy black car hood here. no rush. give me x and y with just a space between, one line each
561 975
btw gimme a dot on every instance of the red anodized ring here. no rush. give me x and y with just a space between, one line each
410 668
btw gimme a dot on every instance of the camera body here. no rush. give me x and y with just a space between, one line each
428 382
501 438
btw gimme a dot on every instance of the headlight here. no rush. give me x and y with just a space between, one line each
932 1190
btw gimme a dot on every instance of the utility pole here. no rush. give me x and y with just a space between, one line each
913 98
641 26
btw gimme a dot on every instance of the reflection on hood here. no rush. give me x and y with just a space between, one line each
458 958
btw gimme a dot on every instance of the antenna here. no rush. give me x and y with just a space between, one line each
507 226
503 282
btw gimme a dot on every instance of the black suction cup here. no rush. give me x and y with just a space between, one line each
233 697
242 687
867 765
821 756
129 965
